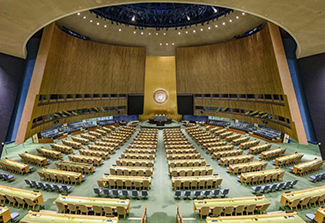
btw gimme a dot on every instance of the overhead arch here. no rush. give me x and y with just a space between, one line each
304 20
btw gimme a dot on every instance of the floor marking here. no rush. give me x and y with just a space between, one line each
134 218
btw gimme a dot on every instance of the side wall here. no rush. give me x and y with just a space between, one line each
240 79
312 71
77 79
11 77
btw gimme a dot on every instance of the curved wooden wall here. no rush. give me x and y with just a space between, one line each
82 74
244 66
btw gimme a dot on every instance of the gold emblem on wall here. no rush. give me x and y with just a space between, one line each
160 96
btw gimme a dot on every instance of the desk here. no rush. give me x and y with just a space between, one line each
228 160
235 152
4 214
236 142
309 166
43 217
96 153
36 197
97 161
301 194
232 202
269 154
89 137
138 156
56 172
288 159
259 148
188 163
133 179
248 144
34 159
141 151
75 166
242 166
94 201
109 144
62 148
180 151
320 215
73 144
264 173
135 162
11 165
215 178
131 170
50 153
191 171
213 149
261 218
183 156
83 141
111 150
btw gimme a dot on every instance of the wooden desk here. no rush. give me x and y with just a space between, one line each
4 214
240 166
86 159
141 151
183 156
71 174
50 153
180 151
280 161
216 179
232 202
245 176
235 152
236 142
320 215
201 169
109 149
189 163
66 165
259 148
138 156
228 160
89 137
83 141
130 169
124 178
135 162
34 159
272 153
62 148
94 201
302 167
73 144
8 164
43 217
261 218
96 153
248 144
213 149
301 194
36 197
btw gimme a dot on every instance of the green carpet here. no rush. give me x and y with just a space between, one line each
161 202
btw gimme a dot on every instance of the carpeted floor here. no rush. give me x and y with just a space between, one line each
161 202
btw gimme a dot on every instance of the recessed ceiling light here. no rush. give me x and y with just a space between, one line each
156 34
84 17
186 32
149 34
91 21
160 44
179 33
194 31
223 23
237 17
105 26
201 29
166 44
230 20
164 34
119 30
78 13
209 27
135 32
243 13
97 23
173 44
141 33
216 26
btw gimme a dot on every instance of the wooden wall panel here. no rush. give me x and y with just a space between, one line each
246 65
80 66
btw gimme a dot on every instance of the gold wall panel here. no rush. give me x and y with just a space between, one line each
160 73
